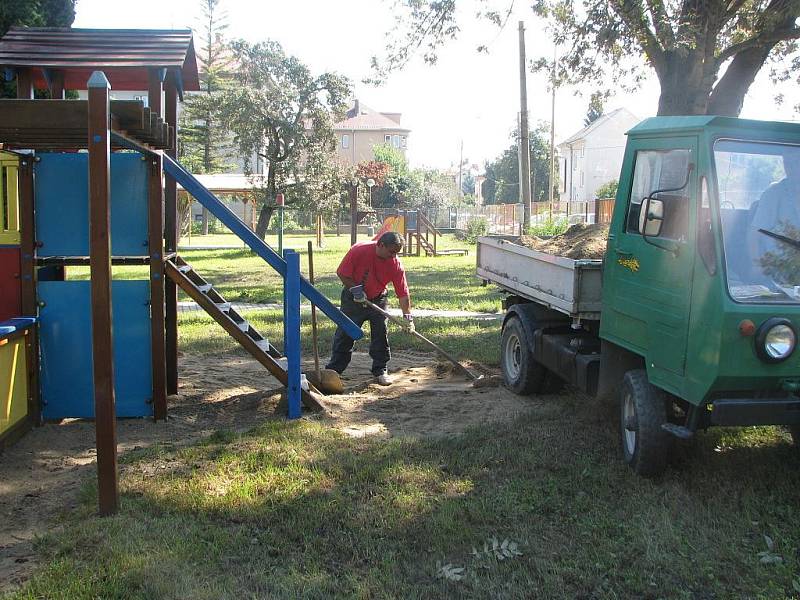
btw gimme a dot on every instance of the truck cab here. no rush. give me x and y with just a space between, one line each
701 277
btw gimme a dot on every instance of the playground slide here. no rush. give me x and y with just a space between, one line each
259 246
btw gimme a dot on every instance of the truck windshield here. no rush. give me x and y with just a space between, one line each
759 202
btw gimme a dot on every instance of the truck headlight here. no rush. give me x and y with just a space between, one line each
775 340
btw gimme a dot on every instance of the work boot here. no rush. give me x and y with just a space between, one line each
383 379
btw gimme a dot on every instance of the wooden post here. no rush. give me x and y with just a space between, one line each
57 85
353 192
100 273
27 232
25 83
155 88
156 250
171 241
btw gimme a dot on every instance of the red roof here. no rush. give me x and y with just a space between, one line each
124 55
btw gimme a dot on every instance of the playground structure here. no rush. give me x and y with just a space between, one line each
418 232
83 183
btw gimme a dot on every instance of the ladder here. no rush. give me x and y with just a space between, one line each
202 292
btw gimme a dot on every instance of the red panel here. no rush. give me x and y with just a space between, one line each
10 297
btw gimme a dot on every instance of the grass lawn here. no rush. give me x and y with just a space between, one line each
297 510
444 282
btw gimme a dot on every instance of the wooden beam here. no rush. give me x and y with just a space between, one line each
99 143
27 229
57 85
154 90
171 237
156 248
25 83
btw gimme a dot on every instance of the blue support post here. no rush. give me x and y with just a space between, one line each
291 319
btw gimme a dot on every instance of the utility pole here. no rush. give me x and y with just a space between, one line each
552 133
524 145
460 169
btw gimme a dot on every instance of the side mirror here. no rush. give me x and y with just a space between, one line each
651 217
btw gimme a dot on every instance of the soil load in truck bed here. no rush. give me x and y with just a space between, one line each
578 242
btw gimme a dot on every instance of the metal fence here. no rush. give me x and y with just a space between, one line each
506 219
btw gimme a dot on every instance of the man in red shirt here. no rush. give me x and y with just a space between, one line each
365 271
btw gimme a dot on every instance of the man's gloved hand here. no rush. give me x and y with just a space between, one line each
358 293
409 319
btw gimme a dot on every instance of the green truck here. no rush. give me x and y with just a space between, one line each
691 318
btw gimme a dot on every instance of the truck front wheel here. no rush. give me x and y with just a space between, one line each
645 446
522 373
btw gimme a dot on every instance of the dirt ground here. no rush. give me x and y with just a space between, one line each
41 475
580 241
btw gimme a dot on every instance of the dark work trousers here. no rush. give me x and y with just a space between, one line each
379 337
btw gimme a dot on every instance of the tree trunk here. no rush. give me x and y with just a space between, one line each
264 217
728 95
684 90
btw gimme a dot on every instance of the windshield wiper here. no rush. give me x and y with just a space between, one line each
782 238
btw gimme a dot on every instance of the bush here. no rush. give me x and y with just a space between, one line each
607 190
548 228
477 226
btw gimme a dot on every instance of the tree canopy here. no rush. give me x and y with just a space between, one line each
705 54
283 113
595 110
502 173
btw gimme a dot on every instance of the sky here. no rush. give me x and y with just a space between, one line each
466 98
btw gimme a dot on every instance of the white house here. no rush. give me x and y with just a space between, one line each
593 156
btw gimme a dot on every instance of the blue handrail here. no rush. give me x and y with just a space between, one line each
235 224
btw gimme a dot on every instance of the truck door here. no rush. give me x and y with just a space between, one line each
648 282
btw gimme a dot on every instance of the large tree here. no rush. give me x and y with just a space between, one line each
705 53
283 113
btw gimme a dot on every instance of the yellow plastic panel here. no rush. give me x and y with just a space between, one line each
9 199
13 383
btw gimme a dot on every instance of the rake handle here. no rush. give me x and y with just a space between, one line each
436 347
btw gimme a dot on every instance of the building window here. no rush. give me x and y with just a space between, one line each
345 141
387 139
396 141
403 142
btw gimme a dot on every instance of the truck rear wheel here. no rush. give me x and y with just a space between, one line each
643 409
522 373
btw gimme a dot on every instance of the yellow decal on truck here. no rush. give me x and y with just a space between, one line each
630 263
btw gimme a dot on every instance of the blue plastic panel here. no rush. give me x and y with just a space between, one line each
65 338
62 204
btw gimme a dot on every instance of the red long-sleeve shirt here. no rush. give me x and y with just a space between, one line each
362 265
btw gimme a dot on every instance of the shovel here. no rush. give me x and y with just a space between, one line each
325 380
469 374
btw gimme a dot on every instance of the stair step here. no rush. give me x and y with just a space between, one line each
263 344
184 268
224 307
205 287
243 325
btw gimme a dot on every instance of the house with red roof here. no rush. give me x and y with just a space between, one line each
363 129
